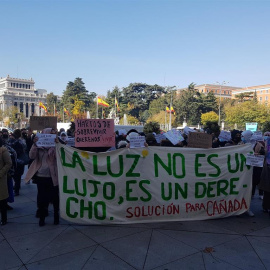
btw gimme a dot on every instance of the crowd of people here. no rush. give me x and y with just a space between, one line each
19 150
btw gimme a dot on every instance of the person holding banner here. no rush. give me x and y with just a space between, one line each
44 170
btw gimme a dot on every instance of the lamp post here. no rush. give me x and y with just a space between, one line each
220 85
170 125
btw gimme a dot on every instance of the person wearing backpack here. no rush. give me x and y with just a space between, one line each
22 159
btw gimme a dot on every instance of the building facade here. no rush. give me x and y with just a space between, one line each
220 91
22 94
262 92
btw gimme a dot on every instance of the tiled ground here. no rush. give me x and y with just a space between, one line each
232 243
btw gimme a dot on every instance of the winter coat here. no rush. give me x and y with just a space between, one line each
5 165
36 164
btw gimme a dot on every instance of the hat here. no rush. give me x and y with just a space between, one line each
247 135
121 144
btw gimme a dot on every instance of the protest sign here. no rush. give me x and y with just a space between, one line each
45 140
41 122
173 137
137 141
253 160
153 184
94 133
225 135
258 133
199 140
251 126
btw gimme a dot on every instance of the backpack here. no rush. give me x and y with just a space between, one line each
21 150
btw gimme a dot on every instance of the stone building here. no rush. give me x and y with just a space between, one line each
22 94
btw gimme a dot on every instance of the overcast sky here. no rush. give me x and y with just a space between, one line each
117 42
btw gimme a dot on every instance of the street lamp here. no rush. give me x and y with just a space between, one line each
220 85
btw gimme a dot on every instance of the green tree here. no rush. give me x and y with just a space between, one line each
138 96
246 112
209 117
77 109
151 127
244 96
77 89
189 106
52 103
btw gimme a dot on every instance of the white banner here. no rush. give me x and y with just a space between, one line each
153 184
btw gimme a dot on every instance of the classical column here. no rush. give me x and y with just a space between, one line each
24 109
36 110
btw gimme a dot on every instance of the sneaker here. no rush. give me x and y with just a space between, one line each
250 213
261 197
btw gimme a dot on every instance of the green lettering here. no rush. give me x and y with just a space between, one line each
129 190
167 168
121 166
199 195
214 165
182 165
149 196
197 165
236 161
130 172
233 186
95 164
65 187
69 214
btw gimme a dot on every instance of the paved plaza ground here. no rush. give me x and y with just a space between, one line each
233 243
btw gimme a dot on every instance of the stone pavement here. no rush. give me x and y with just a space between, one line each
233 243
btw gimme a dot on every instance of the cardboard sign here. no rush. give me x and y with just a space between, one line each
137 142
70 141
45 140
41 122
253 160
199 140
94 133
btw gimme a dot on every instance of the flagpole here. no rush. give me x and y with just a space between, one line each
115 106
97 109
170 127
165 118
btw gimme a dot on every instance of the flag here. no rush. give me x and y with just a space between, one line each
102 102
172 110
117 105
167 109
41 105
66 112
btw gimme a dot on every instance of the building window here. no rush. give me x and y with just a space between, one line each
266 98
267 91
260 98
